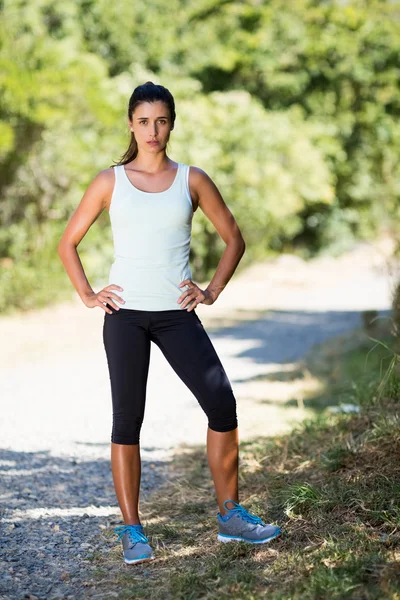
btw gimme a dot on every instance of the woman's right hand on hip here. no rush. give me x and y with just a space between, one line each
105 296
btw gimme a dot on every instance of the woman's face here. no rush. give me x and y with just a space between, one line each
151 122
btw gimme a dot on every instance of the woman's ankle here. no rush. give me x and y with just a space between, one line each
132 522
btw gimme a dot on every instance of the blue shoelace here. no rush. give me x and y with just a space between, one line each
135 534
243 513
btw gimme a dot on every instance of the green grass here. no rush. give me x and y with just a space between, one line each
332 484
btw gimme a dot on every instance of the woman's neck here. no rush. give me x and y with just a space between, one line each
151 163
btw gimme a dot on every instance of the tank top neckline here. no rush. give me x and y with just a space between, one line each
152 193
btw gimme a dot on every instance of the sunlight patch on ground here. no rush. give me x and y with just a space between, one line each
25 472
279 391
75 511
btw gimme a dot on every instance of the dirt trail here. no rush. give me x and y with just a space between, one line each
55 385
56 488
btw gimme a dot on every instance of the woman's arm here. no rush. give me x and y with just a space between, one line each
208 197
94 200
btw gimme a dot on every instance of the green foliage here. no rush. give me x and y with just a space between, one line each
301 498
339 63
265 181
291 108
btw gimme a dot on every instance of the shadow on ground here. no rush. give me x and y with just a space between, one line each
286 336
289 347
52 510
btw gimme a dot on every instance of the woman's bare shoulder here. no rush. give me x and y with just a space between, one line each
104 183
197 173
106 176
200 184
199 179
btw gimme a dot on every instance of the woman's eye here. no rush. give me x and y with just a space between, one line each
144 122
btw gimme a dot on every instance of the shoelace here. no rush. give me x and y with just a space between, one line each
243 513
135 535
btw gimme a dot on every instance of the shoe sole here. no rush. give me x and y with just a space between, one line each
136 561
227 539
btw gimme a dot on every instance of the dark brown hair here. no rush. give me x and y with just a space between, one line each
147 92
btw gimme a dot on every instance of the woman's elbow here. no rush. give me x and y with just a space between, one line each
238 242
61 245
241 243
64 245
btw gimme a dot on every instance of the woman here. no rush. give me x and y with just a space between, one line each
151 297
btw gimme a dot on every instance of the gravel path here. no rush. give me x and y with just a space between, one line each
56 490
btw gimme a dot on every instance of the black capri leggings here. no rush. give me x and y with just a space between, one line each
187 347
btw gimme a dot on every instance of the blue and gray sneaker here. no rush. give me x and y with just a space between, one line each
135 544
239 525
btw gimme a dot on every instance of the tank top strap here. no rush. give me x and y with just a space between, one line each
184 182
121 179
116 169
180 177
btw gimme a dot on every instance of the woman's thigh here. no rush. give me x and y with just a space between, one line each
190 352
127 346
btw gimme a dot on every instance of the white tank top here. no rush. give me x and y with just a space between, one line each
152 234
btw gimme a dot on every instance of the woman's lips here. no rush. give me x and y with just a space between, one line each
153 143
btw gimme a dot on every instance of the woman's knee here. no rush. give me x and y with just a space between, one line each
222 414
222 424
126 430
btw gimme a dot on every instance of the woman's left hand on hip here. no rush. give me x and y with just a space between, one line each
194 295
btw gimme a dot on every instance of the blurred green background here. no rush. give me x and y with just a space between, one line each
292 108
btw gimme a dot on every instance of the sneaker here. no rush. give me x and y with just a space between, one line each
239 525
135 544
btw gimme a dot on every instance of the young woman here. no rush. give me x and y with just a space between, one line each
151 297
